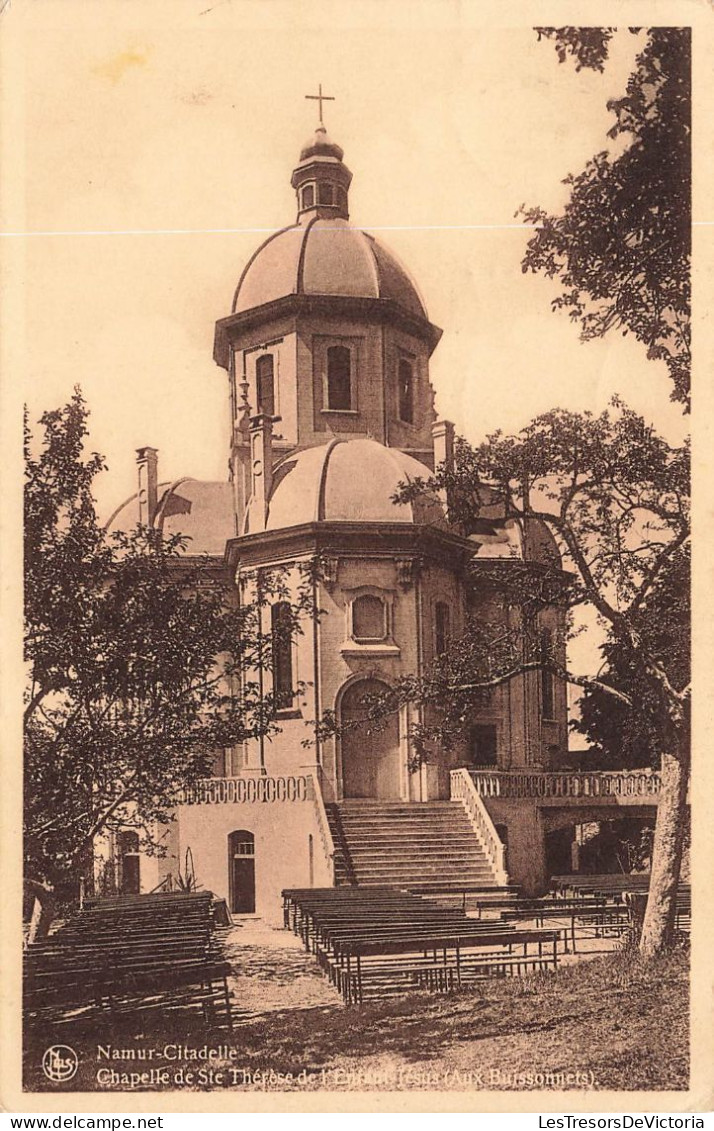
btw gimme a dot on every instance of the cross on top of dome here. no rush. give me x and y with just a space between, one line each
321 180
320 98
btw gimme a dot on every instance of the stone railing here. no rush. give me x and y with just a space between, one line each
328 844
581 784
248 790
464 790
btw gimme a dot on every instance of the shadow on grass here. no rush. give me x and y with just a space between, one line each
621 1018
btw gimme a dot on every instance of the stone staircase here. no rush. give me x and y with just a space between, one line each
406 845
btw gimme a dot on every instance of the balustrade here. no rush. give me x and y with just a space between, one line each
463 790
241 791
578 784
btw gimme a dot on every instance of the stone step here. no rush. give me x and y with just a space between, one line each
402 827
402 818
390 849
392 837
402 844
410 830
457 874
416 806
475 874
395 867
413 880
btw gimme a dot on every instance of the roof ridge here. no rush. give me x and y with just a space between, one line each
320 508
299 288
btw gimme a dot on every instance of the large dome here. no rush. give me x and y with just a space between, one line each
325 257
348 481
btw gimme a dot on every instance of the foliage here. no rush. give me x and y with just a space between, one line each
614 497
628 735
135 662
621 249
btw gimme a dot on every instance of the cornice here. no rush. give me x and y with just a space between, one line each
376 310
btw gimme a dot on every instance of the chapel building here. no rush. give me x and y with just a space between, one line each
326 352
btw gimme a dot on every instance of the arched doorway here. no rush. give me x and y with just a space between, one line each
241 872
371 760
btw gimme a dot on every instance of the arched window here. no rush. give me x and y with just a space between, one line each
325 193
265 384
406 391
547 698
369 619
281 627
342 199
339 378
442 627
308 196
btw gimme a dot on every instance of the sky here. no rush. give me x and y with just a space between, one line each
154 147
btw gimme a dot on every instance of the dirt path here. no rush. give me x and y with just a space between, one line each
272 971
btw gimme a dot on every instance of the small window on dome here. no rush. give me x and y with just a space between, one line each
325 193
342 199
406 391
265 384
369 619
339 378
308 196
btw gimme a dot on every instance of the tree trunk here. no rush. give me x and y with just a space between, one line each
658 926
43 911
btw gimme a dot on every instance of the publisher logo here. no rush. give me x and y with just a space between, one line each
59 1063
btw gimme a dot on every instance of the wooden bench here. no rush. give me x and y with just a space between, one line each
122 953
371 941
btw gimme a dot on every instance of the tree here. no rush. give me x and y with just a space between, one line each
621 249
615 497
622 735
136 663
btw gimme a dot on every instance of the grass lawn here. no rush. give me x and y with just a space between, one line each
616 1021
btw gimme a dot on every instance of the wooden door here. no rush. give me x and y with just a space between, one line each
371 761
241 872
130 880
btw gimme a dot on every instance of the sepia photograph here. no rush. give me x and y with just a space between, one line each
355 355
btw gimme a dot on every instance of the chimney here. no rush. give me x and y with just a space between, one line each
261 470
442 432
147 467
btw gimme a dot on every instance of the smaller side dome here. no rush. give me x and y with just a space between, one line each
348 481
200 511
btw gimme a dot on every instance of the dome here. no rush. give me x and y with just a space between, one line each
320 144
200 511
348 481
325 257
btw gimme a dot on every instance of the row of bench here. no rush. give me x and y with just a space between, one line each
593 906
628 890
130 952
373 941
